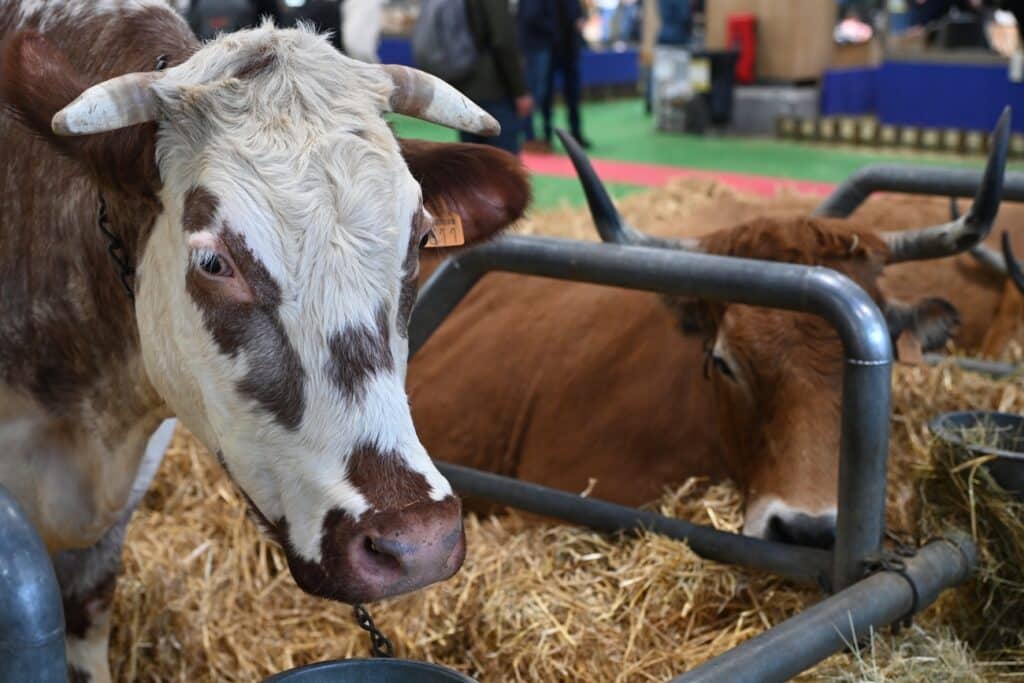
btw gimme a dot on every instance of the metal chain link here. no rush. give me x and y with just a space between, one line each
117 250
380 646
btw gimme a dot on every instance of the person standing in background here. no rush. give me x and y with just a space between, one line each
566 61
496 81
538 27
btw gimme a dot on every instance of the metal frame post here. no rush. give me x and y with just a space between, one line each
31 611
844 305
940 182
843 619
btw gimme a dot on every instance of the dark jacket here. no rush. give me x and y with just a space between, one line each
498 74
538 23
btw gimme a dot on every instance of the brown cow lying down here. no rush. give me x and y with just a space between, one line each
269 223
560 383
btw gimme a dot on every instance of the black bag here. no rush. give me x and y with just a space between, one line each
210 17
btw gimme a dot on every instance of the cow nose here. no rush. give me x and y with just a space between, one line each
399 552
797 528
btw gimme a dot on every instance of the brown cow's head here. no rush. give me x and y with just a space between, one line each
278 271
776 376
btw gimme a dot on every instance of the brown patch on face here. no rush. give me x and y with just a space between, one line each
384 479
200 209
358 352
410 275
275 377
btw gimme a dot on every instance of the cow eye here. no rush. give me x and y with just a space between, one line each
427 236
214 264
723 367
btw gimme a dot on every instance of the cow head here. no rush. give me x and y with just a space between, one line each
276 283
776 376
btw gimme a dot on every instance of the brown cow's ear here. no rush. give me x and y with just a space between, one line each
487 187
928 324
37 80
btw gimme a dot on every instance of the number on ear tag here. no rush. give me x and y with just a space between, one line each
447 232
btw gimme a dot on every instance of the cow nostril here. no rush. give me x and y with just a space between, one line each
816 531
379 554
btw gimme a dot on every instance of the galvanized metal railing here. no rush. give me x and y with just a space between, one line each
846 307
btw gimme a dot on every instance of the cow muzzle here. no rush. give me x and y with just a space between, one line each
385 554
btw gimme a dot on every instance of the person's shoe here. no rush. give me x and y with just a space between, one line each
583 142
537 147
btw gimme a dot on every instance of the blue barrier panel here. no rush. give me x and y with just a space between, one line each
967 96
849 91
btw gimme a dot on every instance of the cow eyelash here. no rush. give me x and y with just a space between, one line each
723 367
213 263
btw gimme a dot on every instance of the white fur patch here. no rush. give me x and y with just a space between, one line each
760 513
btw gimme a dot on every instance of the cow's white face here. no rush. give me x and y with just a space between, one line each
273 301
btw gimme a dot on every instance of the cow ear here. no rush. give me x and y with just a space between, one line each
694 315
485 186
37 80
925 326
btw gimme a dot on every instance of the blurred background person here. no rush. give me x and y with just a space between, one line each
360 28
538 26
565 63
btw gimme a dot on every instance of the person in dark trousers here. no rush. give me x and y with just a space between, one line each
538 26
496 82
566 61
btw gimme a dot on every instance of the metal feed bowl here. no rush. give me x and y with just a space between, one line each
1008 468
371 671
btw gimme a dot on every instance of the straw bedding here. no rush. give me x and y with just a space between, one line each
205 597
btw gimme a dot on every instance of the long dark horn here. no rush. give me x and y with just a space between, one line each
1013 268
962 233
611 226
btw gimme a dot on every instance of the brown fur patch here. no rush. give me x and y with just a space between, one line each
200 209
80 609
385 480
275 378
358 352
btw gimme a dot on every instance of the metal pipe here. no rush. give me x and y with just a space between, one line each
31 612
806 565
844 618
945 182
845 306
984 367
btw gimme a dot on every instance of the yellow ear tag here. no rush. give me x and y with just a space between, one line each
447 232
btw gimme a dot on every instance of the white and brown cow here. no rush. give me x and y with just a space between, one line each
272 221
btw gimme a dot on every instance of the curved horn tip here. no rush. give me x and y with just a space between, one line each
488 126
59 124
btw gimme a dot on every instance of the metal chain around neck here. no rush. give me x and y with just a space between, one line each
380 646
117 250
115 245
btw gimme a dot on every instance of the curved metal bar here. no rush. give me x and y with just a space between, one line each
959 182
1012 265
805 565
844 305
843 619
31 612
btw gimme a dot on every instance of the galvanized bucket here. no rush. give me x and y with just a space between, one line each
1007 443
382 670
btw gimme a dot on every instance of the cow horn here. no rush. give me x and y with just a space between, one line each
963 232
117 103
420 95
611 226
